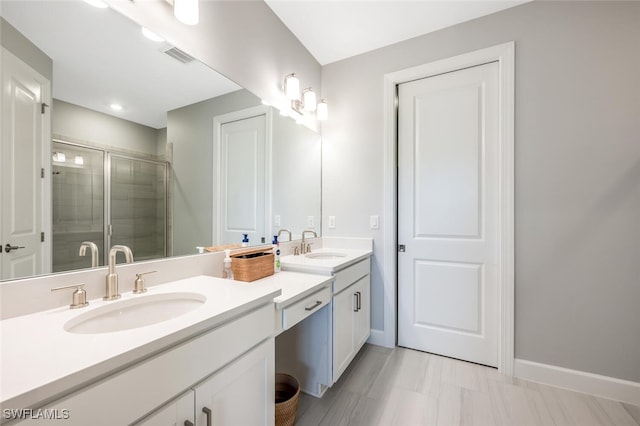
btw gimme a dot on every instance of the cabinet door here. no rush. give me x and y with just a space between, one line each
362 326
177 413
344 307
242 393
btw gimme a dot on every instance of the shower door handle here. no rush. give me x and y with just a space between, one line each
9 247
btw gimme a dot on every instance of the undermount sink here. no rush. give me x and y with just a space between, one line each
135 312
325 255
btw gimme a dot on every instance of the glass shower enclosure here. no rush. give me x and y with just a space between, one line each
106 198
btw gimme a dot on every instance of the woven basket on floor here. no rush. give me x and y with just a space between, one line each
287 393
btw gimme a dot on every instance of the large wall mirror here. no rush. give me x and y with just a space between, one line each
181 165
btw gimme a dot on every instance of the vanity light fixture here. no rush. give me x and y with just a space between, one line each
59 157
322 112
301 105
79 160
186 11
309 99
151 35
292 87
97 3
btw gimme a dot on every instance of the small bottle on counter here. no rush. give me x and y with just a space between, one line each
245 240
276 252
227 272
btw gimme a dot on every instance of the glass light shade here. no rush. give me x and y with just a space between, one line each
292 87
79 160
309 99
322 113
186 11
59 157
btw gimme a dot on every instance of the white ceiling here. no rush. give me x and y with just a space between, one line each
337 29
100 58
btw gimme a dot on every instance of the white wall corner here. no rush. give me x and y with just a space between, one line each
579 381
377 337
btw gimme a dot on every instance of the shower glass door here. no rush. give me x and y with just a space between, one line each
78 204
138 203
107 199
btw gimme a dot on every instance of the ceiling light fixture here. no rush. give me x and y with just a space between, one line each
116 107
187 11
97 3
151 35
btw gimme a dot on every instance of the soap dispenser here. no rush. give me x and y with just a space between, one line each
245 240
227 272
276 252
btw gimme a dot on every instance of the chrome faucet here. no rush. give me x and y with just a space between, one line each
283 230
111 290
304 246
94 252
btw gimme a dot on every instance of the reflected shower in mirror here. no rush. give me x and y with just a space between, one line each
168 103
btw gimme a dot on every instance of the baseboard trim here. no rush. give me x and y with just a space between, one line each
377 338
580 381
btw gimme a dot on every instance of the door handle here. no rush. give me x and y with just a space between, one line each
9 247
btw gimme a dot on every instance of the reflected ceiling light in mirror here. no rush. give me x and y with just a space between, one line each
151 35
97 3
79 160
59 157
186 11
292 87
322 112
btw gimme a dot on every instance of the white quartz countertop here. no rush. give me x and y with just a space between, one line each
295 286
326 266
40 361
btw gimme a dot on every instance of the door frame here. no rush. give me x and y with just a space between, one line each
504 54
218 121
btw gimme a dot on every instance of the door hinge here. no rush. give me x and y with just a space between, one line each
401 248
42 107
42 237
42 172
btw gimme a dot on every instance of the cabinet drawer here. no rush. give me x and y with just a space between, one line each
295 313
348 276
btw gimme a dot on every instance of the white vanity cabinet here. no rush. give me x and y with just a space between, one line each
179 413
351 314
227 369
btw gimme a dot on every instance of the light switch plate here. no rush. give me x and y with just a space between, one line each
374 223
332 222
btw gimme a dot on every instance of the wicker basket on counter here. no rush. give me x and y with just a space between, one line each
252 264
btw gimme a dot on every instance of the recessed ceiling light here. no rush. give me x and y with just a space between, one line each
97 3
151 35
116 107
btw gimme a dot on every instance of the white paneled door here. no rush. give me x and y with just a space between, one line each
21 168
243 180
448 214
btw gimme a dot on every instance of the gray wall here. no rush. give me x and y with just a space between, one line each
190 130
577 171
19 45
78 124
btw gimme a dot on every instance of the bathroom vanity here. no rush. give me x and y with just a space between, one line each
190 351
105 377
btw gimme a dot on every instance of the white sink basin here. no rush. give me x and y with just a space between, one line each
135 312
324 255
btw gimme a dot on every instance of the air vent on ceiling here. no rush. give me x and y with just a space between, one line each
179 55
